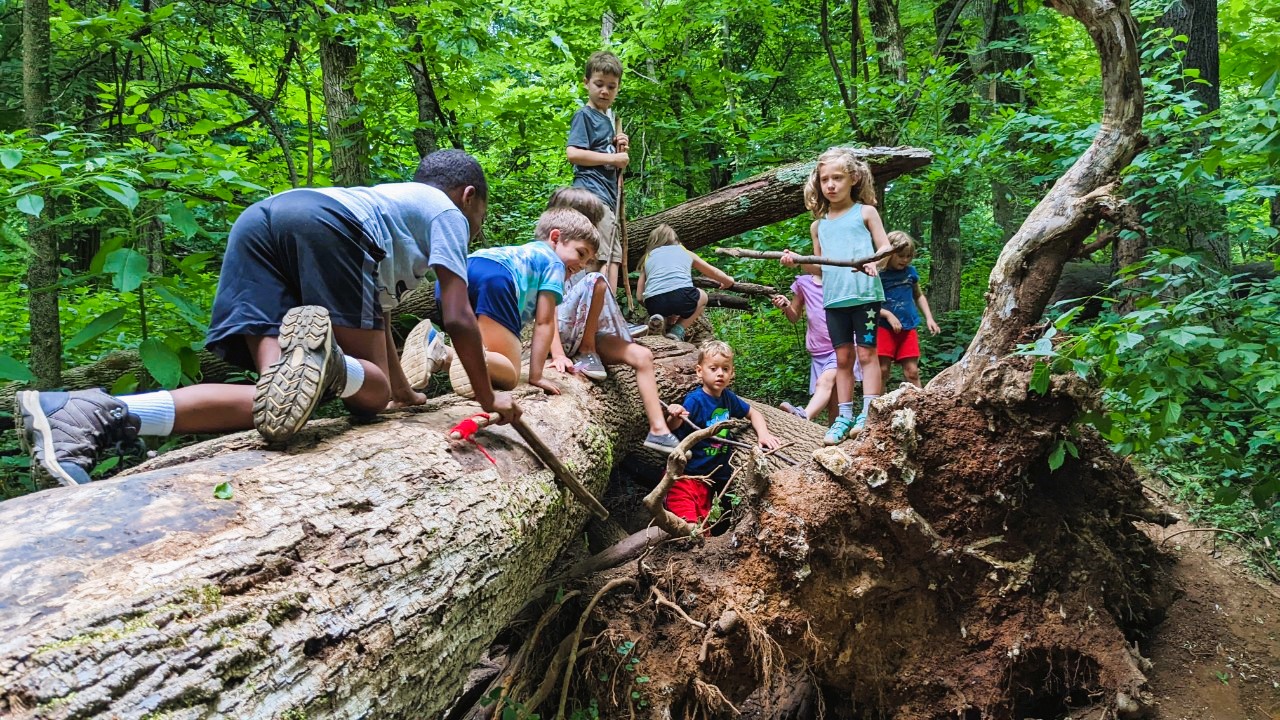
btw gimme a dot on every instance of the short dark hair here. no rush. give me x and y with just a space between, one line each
603 62
452 169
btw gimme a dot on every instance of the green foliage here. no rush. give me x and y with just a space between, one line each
1191 375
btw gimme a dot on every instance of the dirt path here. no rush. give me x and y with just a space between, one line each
1217 656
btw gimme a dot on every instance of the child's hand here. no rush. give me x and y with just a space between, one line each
728 283
622 142
547 386
788 258
894 323
677 413
620 160
562 363
872 269
780 301
768 441
933 327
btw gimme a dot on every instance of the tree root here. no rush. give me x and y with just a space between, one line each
676 463
576 638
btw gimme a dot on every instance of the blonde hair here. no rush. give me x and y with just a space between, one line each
714 348
898 237
864 187
662 236
603 62
579 199
572 225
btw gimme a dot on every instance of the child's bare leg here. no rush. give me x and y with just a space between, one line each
697 313
614 349
370 348
592 326
822 396
886 369
218 408
911 370
872 383
610 272
844 371
501 353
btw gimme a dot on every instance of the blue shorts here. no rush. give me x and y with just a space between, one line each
493 292
296 248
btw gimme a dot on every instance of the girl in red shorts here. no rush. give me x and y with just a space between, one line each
896 337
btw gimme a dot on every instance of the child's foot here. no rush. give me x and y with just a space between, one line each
838 431
311 369
676 333
664 443
859 423
65 432
424 353
793 410
589 364
657 324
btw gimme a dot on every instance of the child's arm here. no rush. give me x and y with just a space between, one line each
791 308
460 324
591 158
401 394
640 283
879 239
544 328
676 413
713 272
766 438
559 360
894 323
923 303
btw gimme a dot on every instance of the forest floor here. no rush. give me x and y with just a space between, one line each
1217 655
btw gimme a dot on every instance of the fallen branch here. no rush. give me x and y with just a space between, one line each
577 637
742 288
749 446
807 259
676 462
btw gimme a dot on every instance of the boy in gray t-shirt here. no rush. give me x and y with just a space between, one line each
598 153
306 287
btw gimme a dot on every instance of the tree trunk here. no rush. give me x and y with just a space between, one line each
42 273
1002 27
360 572
1028 268
890 46
347 142
946 253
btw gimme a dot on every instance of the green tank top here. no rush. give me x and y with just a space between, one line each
847 238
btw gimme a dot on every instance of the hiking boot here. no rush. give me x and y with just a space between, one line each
657 324
424 353
66 432
311 369
676 333
589 364
665 443
838 431
793 410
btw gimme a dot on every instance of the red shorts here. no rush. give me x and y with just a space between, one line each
690 499
902 345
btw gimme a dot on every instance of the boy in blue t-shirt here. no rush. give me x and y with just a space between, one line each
896 337
690 497
509 286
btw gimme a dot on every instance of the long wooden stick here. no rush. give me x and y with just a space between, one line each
808 259
620 219
744 288
739 443
548 458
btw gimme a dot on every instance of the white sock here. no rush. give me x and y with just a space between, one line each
846 410
866 403
355 377
156 410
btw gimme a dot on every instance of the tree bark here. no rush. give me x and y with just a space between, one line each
1029 266
890 45
946 252
347 141
360 571
847 98
42 273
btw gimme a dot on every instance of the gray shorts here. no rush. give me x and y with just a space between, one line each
610 238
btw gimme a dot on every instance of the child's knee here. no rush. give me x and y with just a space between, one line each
639 357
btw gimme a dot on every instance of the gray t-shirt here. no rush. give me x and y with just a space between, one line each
416 225
592 130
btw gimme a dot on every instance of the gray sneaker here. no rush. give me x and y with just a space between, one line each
662 443
310 370
793 410
638 331
589 364
66 432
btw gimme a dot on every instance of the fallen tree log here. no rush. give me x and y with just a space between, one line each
363 568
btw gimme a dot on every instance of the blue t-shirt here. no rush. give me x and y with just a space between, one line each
900 295
709 456
534 267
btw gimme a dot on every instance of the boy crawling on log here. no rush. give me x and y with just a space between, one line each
690 496
307 282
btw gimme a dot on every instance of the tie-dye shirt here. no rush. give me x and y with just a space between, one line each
535 267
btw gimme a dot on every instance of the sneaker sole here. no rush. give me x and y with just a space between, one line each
416 359
660 448
657 324
28 416
292 388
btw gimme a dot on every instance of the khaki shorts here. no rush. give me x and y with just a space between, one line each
610 239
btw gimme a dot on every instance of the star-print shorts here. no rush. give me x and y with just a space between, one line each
853 324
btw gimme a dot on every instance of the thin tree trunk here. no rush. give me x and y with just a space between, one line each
42 273
347 140
846 97
891 51
1002 27
946 253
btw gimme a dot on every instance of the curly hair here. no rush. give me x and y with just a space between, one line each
864 187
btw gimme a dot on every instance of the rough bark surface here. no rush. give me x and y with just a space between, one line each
42 273
347 142
360 571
